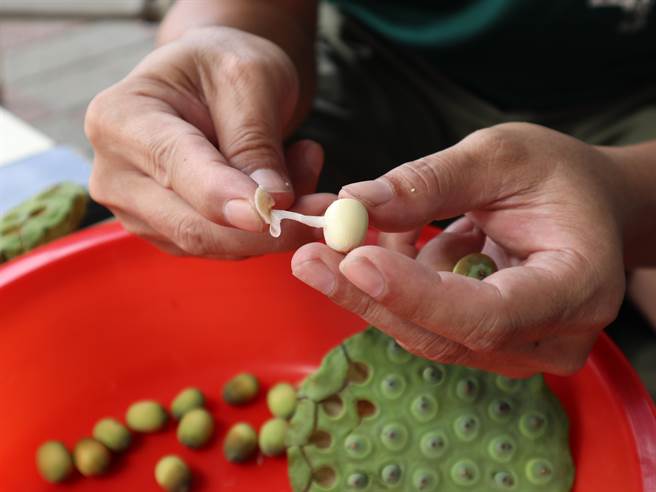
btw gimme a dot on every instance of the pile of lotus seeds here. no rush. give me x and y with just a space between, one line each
92 456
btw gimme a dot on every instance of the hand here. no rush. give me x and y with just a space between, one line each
183 141
548 209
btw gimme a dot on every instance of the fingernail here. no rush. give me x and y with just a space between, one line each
241 214
373 193
317 275
364 275
271 181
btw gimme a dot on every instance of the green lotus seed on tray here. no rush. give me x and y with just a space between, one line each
47 216
172 474
146 416
91 457
187 400
374 417
281 400
113 434
54 462
272 437
241 389
240 443
195 428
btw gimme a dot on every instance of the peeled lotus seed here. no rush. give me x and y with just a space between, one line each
476 265
195 428
91 457
281 400
54 462
173 474
241 389
112 434
186 400
240 443
146 416
272 437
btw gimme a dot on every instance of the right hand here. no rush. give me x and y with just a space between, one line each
184 140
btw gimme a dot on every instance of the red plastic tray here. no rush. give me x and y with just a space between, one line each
100 319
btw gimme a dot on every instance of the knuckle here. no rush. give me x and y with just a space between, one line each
97 118
160 156
487 335
432 174
500 145
446 352
190 237
251 147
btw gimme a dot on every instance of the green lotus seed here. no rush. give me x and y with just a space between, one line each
539 471
357 446
54 462
392 386
272 437
357 480
504 480
394 436
146 416
500 410
241 389
240 443
468 389
533 425
508 385
424 408
91 458
187 399
397 354
173 474
424 480
476 265
465 472
502 448
195 428
281 400
466 427
433 374
391 474
434 444
112 434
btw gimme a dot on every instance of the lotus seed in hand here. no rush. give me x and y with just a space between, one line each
344 223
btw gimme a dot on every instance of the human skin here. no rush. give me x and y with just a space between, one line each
201 121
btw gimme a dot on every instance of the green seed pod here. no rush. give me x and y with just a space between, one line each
173 474
112 434
241 389
476 265
91 457
195 428
281 400
146 416
54 462
187 399
272 437
240 443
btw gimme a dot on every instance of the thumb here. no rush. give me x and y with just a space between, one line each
449 183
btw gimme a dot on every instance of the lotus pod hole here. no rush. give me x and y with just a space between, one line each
409 424
241 389
112 434
172 474
186 400
281 400
146 416
54 461
91 458
196 428
240 443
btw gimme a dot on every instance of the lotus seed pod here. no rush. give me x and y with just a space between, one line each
346 222
173 474
476 265
54 462
195 428
241 389
113 434
146 416
272 437
375 417
281 400
91 457
240 443
187 399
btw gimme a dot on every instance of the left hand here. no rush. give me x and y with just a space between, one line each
548 208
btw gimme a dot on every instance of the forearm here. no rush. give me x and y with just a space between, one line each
638 197
291 24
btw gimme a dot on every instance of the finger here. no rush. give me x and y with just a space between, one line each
305 160
444 251
401 242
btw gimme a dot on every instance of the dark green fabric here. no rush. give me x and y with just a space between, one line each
524 54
